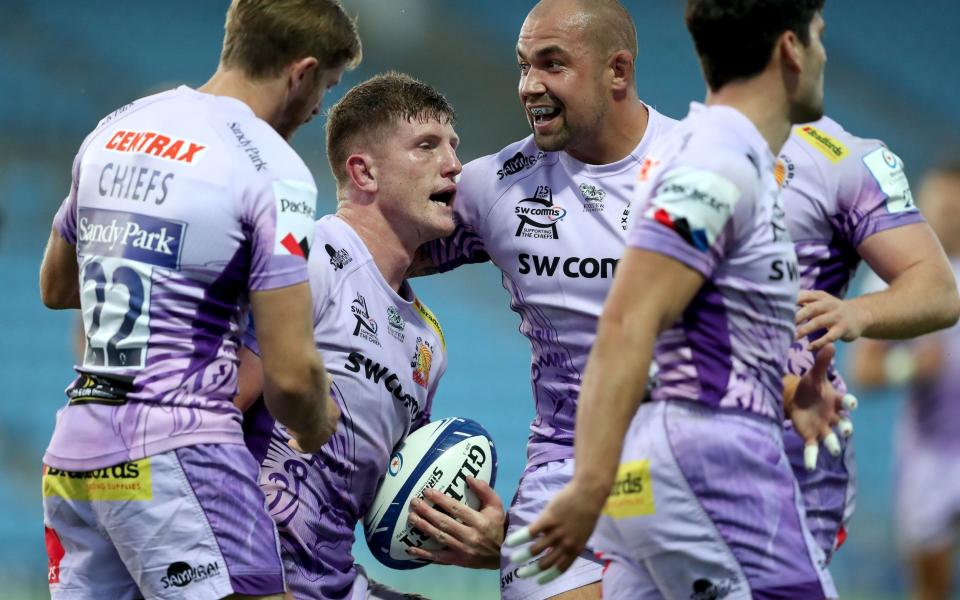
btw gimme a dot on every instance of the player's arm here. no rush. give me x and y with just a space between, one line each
921 296
59 274
295 383
649 293
422 264
249 379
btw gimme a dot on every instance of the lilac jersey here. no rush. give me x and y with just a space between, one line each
386 354
556 229
182 203
837 191
709 199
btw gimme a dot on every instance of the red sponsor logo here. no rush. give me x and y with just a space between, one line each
155 144
55 553
648 163
294 247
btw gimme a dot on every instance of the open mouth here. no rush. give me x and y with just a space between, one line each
544 114
445 197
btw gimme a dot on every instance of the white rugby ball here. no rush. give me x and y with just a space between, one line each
441 454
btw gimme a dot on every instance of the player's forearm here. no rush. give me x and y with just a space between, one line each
921 299
612 390
297 397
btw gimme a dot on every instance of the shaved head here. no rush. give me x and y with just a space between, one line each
604 23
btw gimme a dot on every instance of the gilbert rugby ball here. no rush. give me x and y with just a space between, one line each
441 454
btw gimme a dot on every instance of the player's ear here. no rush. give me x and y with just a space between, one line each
791 49
621 67
362 173
302 72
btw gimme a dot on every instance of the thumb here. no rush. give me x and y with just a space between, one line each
821 364
486 494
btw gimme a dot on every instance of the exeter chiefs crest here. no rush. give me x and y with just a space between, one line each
422 360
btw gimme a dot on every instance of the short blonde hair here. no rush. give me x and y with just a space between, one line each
264 36
369 112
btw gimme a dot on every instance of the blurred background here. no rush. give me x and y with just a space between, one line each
891 74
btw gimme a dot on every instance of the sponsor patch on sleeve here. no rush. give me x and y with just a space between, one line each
827 145
296 208
124 482
632 493
887 168
694 203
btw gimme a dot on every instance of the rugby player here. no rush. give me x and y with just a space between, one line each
704 503
187 209
550 212
392 149
927 498
847 199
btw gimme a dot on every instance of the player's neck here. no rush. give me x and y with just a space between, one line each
765 105
264 97
390 252
620 133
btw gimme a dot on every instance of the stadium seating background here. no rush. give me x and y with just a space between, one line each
63 65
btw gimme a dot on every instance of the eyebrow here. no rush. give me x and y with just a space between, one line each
545 51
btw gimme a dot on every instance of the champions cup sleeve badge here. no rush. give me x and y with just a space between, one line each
421 363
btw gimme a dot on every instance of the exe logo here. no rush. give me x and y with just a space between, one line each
539 215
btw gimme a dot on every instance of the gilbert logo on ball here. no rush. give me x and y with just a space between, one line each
441 455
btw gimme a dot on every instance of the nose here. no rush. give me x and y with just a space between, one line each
531 85
452 165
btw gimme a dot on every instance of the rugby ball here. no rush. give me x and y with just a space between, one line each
441 454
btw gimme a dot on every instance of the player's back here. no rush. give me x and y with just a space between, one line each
711 182
182 203
385 353
555 227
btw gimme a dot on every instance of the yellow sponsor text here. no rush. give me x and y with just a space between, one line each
632 492
123 482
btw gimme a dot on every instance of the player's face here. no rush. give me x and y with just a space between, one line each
561 81
808 103
418 166
305 103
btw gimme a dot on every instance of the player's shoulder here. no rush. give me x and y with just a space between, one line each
829 144
502 168
337 249
261 153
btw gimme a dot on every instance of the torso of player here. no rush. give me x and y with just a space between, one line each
385 353
837 190
556 229
183 202
708 198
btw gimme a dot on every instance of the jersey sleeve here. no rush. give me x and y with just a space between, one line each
688 214
65 221
279 221
465 245
875 195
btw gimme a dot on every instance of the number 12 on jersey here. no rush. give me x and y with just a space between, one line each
115 298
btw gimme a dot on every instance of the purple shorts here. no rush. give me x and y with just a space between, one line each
188 523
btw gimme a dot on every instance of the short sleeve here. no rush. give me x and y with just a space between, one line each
875 196
688 215
280 227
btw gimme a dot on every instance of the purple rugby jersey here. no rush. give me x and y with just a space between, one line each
709 199
556 228
181 204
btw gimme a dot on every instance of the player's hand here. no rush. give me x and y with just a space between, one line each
471 538
309 441
816 409
819 310
559 534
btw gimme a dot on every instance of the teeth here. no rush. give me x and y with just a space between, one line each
541 111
